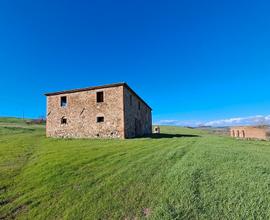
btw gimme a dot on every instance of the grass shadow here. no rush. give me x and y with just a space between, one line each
163 135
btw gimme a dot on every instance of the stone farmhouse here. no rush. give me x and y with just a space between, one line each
251 132
108 111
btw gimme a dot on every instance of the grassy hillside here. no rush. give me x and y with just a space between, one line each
11 120
182 174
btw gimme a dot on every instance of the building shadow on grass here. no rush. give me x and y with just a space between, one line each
163 135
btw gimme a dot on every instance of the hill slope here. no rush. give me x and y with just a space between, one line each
182 174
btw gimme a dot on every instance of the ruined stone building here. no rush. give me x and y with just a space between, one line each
109 111
251 132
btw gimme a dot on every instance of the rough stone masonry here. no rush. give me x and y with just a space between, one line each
109 111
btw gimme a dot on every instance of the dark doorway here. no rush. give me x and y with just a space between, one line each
138 127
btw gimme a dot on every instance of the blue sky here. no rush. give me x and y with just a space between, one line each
193 61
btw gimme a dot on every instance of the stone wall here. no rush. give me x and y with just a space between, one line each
81 114
249 132
138 116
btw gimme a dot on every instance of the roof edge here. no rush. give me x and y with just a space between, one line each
84 89
98 87
134 93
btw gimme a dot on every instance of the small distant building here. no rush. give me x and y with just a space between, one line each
108 111
156 130
251 132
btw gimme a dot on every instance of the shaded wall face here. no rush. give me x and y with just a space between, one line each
138 117
246 132
81 113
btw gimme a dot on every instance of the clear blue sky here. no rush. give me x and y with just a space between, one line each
190 60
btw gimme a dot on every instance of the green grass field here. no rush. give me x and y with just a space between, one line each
182 174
